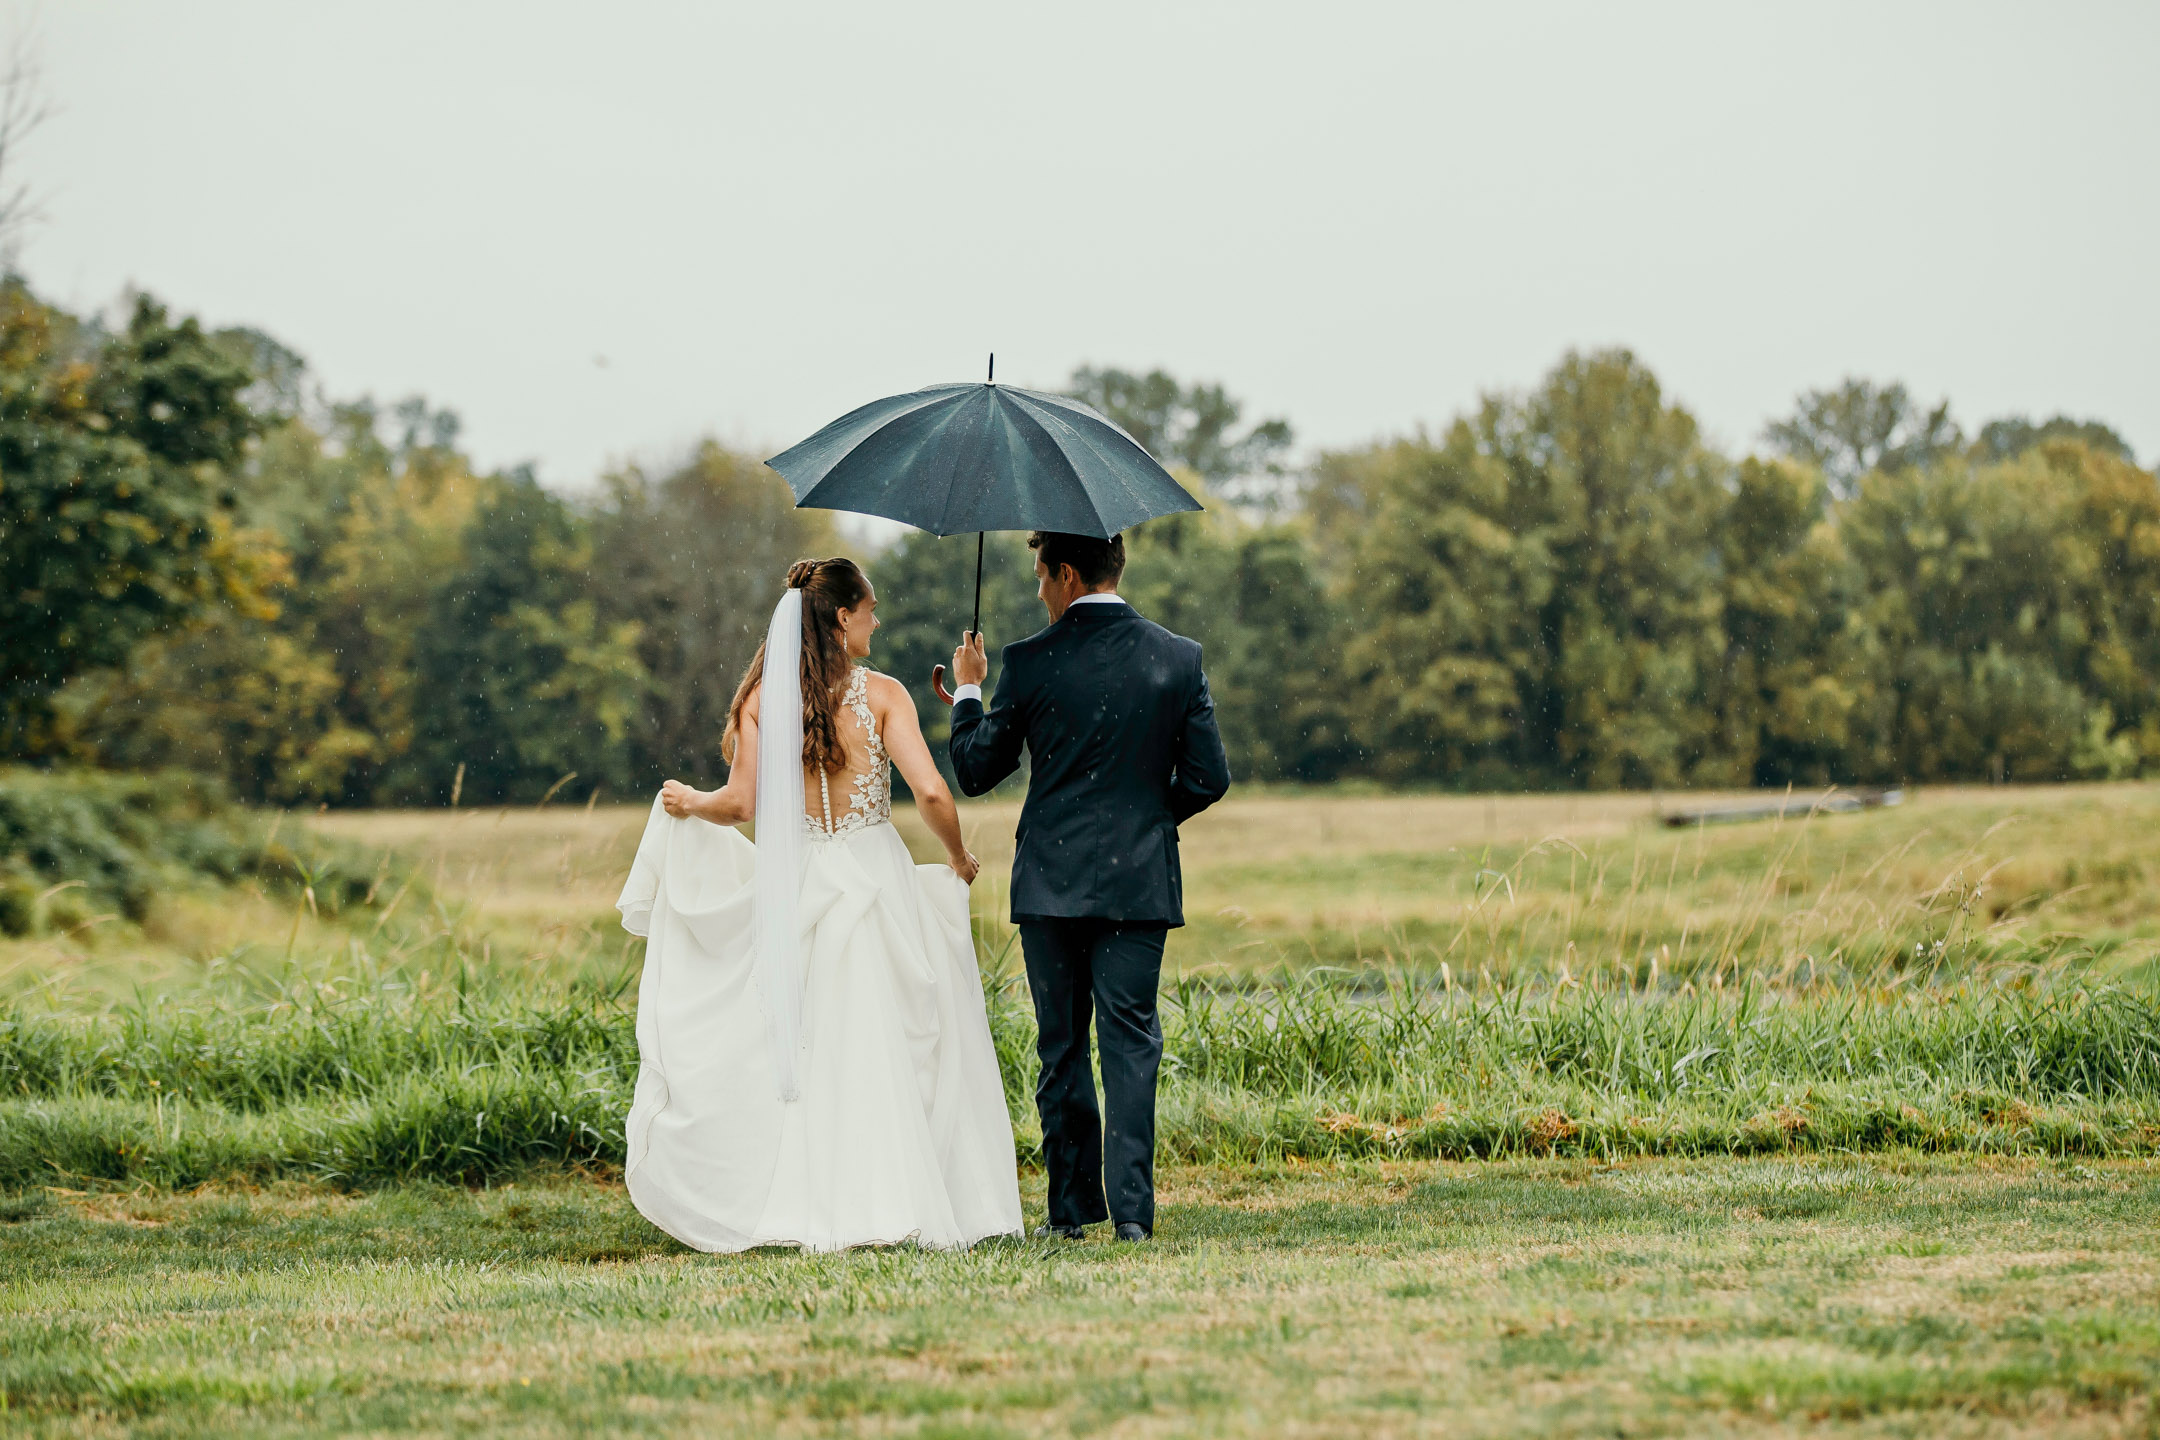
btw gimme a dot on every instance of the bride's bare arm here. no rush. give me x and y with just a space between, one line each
734 803
911 757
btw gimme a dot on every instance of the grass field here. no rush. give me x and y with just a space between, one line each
1881 1297
1480 1116
1499 887
1506 884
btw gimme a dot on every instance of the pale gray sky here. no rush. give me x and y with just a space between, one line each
1357 216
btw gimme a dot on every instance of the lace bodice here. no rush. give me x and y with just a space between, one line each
869 797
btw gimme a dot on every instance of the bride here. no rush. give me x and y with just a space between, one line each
815 1066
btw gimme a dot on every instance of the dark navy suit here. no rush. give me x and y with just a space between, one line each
1114 714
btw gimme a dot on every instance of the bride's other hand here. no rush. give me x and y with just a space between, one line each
679 800
966 866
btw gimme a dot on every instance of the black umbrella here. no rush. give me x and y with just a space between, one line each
958 458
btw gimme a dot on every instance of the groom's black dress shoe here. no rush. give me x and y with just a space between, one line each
1060 1232
1131 1230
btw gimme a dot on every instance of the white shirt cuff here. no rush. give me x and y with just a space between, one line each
967 692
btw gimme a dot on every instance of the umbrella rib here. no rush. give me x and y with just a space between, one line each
912 402
1115 471
1067 402
944 503
1026 412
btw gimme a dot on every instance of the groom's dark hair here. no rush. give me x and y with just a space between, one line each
1094 561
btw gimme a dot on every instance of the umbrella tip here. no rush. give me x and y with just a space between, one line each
991 378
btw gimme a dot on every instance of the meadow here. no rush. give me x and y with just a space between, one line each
1523 1115
1279 882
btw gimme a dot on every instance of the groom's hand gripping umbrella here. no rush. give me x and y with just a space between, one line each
958 458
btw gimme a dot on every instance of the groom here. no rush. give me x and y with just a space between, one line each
1114 713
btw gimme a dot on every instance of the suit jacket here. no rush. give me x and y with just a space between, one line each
1115 715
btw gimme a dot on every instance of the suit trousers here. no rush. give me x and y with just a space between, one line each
1076 967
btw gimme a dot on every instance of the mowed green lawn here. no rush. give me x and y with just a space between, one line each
1889 1296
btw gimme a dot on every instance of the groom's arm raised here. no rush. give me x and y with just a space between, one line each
985 744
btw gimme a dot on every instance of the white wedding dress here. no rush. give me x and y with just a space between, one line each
898 1131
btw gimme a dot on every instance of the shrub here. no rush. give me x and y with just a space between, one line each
120 839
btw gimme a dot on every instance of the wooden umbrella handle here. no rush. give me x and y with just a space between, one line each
937 684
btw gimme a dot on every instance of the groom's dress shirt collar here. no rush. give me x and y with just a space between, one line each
974 692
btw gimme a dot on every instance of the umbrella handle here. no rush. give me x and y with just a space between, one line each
937 685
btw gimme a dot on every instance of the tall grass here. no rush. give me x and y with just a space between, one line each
1319 1070
1549 1014
477 1086
2048 1043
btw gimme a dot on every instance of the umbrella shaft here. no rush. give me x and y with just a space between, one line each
976 628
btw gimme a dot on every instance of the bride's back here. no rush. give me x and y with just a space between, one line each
860 793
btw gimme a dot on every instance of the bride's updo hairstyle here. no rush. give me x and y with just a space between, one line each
829 587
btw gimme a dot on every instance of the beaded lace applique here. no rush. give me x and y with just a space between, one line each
870 796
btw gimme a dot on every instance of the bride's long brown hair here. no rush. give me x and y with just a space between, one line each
829 587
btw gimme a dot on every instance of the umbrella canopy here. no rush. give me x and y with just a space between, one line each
958 458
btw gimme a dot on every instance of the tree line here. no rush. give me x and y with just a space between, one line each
205 564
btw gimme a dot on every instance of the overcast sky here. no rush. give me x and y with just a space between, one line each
601 231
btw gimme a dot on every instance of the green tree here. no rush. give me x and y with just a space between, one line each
695 558
372 562
311 696
2115 521
2009 605
521 681
1439 600
1797 675
116 502
1862 426
1533 598
235 696
1195 427
2013 435
277 388
210 567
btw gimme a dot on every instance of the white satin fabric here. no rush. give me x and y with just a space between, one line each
900 1132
